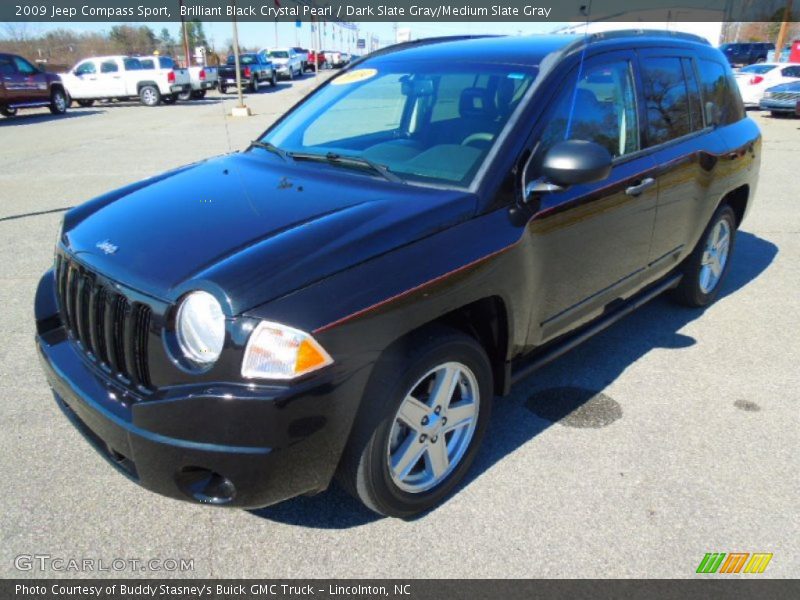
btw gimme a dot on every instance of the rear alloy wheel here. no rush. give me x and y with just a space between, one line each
706 268
223 89
198 95
8 112
273 81
149 95
85 103
58 102
424 416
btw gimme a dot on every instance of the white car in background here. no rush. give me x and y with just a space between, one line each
754 80
122 77
287 62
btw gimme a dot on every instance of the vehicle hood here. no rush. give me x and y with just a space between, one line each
250 227
793 86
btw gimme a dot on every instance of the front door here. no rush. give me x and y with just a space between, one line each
590 243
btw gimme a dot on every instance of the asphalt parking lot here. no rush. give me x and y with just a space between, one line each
672 434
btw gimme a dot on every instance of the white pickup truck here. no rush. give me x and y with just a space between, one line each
202 79
122 77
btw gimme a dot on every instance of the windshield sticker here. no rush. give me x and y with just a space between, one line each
516 76
354 76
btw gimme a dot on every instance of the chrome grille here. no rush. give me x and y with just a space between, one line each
110 328
785 96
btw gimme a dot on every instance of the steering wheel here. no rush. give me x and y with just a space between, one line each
477 137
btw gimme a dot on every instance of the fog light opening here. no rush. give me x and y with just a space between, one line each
205 485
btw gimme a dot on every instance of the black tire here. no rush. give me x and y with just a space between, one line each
364 470
223 89
149 95
253 85
690 292
186 96
85 103
198 94
8 112
273 80
58 101
169 99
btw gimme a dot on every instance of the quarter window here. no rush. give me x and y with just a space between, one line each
717 86
601 108
666 100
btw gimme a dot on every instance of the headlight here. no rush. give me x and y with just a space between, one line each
276 351
201 328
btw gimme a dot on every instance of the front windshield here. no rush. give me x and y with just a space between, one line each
279 54
425 122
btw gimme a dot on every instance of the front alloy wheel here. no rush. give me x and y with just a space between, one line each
58 102
433 427
422 419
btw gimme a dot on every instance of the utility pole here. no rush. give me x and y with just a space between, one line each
787 17
240 110
185 36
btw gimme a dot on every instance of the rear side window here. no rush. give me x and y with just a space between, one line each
695 105
791 72
6 67
109 66
717 86
666 100
24 67
147 63
132 64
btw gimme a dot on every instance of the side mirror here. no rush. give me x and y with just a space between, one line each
573 162
712 114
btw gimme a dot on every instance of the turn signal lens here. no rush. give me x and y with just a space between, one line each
276 351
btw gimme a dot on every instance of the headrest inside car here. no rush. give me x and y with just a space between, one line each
476 102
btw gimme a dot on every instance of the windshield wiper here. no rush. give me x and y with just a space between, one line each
358 161
271 148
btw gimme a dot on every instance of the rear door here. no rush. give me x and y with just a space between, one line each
686 151
110 82
590 243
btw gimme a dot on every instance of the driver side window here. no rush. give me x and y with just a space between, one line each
86 68
601 108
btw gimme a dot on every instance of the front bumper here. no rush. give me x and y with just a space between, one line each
236 444
787 106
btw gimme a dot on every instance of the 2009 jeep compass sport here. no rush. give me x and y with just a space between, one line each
349 294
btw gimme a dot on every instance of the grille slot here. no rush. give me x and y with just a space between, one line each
109 327
785 96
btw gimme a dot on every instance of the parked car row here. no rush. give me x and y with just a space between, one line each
152 79
764 86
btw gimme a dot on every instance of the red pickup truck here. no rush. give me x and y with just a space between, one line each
317 58
22 85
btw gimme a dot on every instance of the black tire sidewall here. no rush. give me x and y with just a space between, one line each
53 106
375 485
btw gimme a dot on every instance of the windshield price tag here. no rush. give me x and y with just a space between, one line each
355 76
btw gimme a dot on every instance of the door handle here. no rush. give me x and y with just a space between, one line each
640 186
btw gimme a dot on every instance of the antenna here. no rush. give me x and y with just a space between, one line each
586 10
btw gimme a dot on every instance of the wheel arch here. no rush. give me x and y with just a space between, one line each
142 84
738 199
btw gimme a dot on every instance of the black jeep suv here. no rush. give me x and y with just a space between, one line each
349 294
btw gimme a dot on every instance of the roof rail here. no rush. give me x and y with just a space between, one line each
594 38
